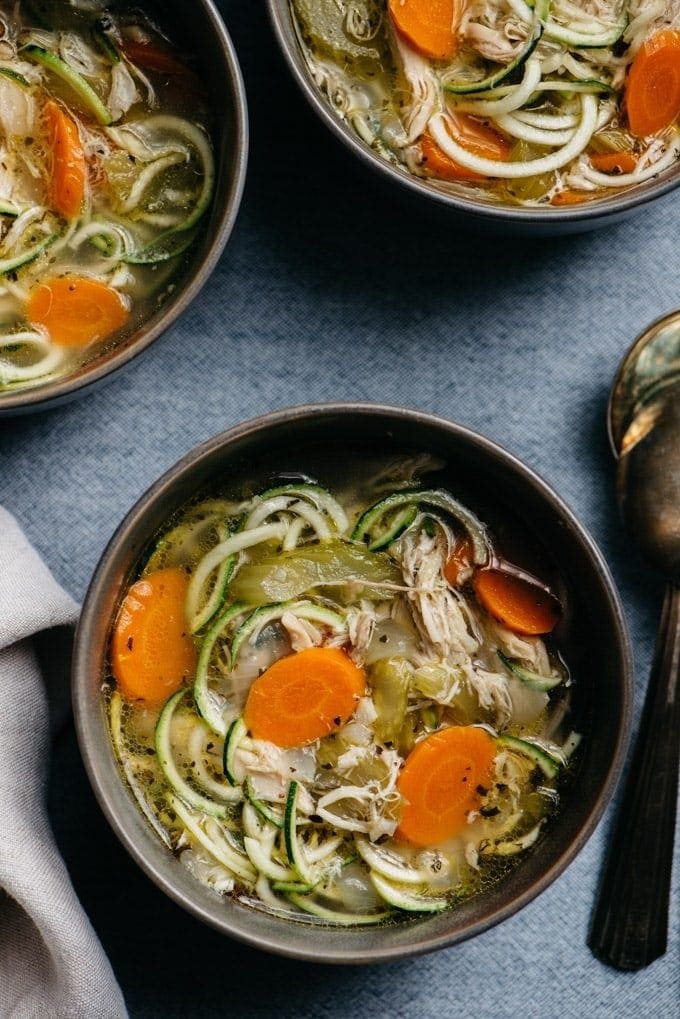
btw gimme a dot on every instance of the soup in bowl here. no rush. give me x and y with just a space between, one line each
541 112
329 698
118 184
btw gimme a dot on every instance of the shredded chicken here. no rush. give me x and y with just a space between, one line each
301 632
361 627
492 692
437 609
422 87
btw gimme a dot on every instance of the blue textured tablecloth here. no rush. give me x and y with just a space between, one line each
329 289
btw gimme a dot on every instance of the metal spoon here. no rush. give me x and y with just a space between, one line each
630 923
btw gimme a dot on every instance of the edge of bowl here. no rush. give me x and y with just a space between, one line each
520 220
51 394
88 729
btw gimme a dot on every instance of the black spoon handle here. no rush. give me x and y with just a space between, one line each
630 923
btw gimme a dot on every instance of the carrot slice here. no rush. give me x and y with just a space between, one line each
429 25
613 162
69 169
458 562
153 57
441 782
518 604
76 311
152 653
472 135
304 696
653 86
568 197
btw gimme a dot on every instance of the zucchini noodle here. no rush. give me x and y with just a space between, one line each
540 135
604 180
48 360
147 177
545 164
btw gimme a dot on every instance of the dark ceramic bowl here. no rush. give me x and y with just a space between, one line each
471 213
204 35
325 441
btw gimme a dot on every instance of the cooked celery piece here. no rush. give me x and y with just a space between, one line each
328 32
530 188
274 576
390 681
613 139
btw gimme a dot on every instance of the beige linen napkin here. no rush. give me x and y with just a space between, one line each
51 962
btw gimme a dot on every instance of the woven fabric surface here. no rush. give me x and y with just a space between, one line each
333 289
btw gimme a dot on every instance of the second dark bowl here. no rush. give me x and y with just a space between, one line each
323 441
474 214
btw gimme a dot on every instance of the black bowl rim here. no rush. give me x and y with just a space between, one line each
61 390
598 211
88 727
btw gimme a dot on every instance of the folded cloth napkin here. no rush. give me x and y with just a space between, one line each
51 962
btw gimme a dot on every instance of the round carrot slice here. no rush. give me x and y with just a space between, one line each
472 135
653 86
429 25
304 697
614 162
568 197
152 654
518 604
156 57
69 168
76 311
441 781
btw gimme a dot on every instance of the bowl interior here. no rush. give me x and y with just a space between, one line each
203 38
471 210
335 443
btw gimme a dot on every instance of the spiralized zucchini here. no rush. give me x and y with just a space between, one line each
310 828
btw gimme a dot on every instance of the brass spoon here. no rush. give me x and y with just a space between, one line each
630 923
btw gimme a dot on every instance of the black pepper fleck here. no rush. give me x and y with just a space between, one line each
489 811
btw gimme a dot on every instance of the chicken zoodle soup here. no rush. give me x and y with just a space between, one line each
106 171
534 102
337 711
